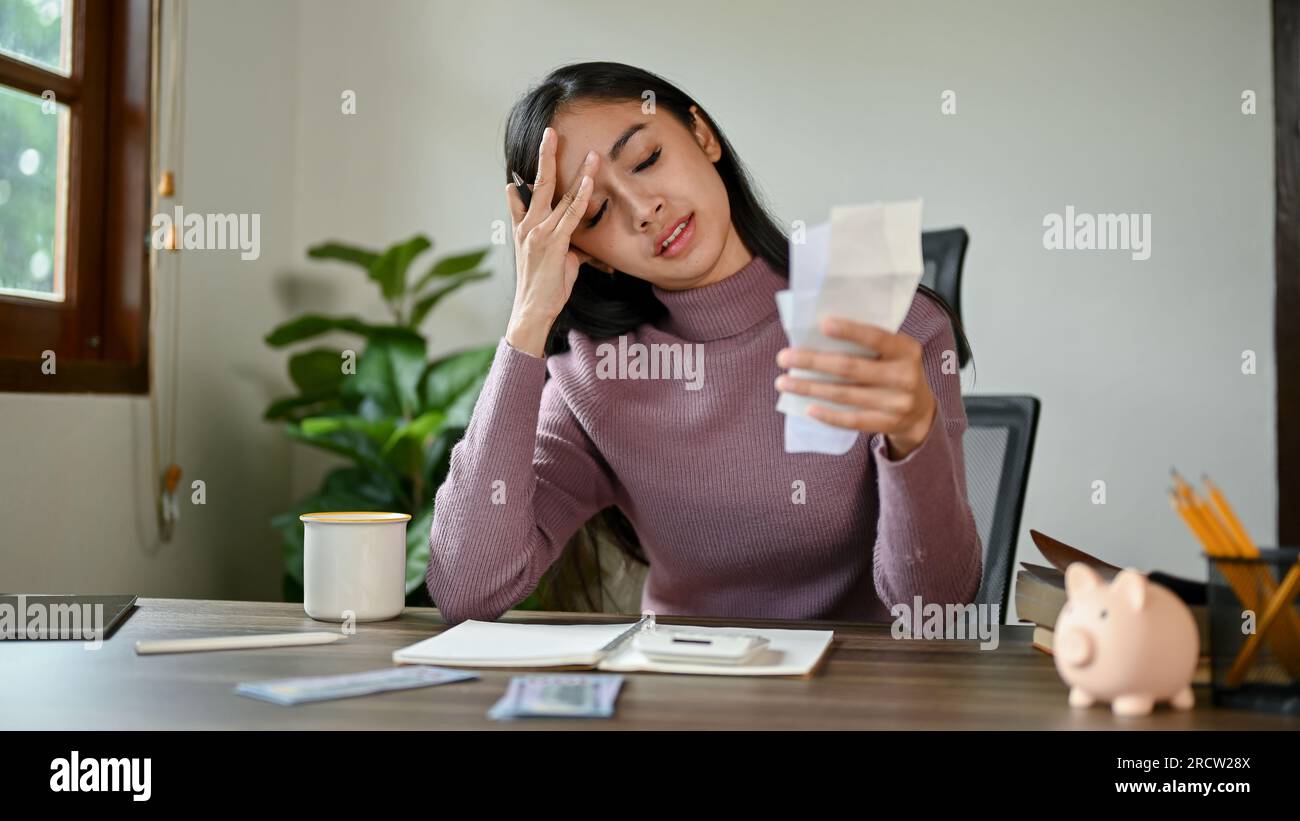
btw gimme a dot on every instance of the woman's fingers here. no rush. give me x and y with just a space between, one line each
858 369
571 209
567 208
888 345
544 186
863 420
515 205
885 400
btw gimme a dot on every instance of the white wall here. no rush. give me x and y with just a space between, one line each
1107 106
76 506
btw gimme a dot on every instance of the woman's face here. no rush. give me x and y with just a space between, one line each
653 173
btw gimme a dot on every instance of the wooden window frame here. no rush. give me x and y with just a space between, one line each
1286 330
100 332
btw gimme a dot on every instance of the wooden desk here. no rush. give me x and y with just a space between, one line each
868 681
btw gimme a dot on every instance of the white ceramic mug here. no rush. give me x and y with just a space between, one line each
354 565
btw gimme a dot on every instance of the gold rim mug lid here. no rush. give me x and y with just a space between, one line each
356 517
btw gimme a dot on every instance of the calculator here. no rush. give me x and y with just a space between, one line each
699 648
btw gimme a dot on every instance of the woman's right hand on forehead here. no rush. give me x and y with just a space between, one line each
546 266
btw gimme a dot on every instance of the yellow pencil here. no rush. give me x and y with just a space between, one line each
1194 525
1253 585
1241 579
1217 528
1234 525
1207 526
1277 604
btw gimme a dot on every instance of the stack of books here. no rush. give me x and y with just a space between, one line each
1040 594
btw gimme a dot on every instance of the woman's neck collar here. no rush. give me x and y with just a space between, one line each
725 307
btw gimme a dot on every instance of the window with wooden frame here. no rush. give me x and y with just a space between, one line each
74 195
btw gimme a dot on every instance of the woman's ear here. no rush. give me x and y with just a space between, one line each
704 136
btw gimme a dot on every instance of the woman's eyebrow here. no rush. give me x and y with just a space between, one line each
623 138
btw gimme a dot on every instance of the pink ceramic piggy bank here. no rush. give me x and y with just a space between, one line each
1130 642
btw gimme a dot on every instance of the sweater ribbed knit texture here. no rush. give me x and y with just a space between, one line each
704 478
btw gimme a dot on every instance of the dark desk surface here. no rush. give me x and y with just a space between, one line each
868 681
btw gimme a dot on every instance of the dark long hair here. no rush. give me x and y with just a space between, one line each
601 305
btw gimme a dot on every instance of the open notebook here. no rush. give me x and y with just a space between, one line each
498 644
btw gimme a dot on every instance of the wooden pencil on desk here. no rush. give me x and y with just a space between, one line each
245 642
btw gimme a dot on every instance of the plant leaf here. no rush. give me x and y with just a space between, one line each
378 431
451 376
368 407
437 461
344 253
452 265
389 270
461 409
317 371
417 548
309 325
318 403
356 443
405 447
426 302
389 373
356 481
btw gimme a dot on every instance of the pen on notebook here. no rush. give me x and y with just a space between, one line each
647 621
249 642
522 187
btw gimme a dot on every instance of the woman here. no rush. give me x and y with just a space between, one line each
656 236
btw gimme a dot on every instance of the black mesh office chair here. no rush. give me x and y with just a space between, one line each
998 446
944 252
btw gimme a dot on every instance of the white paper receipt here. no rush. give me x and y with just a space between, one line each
864 265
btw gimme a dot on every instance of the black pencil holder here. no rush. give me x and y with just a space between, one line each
1269 679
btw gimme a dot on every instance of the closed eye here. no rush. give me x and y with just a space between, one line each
649 161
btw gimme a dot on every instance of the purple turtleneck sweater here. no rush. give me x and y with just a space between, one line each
704 478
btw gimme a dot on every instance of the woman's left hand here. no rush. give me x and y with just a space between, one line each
890 394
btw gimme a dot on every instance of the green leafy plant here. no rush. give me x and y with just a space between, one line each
390 411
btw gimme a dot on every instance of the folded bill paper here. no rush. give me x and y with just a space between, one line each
864 264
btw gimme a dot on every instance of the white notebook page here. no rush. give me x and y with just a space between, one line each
502 644
497 644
